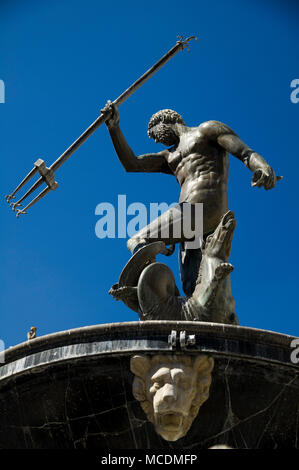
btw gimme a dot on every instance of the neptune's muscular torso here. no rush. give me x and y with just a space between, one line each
201 169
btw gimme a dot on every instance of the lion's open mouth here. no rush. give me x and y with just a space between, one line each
170 421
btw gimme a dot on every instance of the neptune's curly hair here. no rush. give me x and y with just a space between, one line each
165 116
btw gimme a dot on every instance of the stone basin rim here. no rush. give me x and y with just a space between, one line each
72 336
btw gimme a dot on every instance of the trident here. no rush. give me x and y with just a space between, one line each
47 175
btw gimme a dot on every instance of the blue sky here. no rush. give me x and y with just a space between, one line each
61 61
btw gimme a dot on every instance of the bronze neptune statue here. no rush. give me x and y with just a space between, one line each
198 158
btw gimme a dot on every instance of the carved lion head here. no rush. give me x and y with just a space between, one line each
171 390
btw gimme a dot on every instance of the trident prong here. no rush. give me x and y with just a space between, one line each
31 190
25 180
13 205
20 211
47 176
37 198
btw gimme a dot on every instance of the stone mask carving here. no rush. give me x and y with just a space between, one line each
171 389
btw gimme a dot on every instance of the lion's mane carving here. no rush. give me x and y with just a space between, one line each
171 389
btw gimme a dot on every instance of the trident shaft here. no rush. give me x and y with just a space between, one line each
47 175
